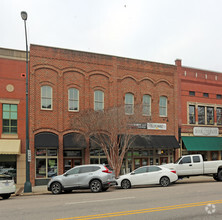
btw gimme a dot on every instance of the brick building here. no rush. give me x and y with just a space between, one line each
12 113
64 82
200 111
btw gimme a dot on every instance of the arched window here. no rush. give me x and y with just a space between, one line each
46 97
163 106
73 99
129 103
147 105
98 100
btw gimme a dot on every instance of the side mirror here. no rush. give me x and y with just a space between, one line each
181 162
132 173
65 174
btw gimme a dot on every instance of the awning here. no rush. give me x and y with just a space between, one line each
203 143
74 140
155 141
10 146
46 139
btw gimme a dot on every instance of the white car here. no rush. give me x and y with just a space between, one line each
7 186
147 175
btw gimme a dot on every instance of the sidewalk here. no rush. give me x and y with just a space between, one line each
36 190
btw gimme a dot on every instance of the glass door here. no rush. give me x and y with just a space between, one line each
71 162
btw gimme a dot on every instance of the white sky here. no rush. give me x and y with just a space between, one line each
152 30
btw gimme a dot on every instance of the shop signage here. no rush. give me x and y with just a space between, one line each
138 125
156 126
205 131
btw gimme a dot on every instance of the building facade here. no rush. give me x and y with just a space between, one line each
65 82
12 113
200 111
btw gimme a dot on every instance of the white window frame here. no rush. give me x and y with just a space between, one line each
46 97
129 104
73 100
97 101
161 107
146 105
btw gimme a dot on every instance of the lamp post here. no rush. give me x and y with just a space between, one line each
27 185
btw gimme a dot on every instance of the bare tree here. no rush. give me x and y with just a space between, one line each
109 129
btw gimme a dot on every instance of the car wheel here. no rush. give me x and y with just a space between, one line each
215 177
56 188
6 196
164 181
95 186
219 175
105 189
125 184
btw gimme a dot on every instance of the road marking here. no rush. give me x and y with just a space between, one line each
104 200
141 211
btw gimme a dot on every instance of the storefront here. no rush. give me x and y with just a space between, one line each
74 145
145 150
46 157
9 151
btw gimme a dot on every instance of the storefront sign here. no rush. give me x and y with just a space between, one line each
156 126
205 131
138 125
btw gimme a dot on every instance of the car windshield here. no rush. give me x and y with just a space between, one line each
4 177
177 160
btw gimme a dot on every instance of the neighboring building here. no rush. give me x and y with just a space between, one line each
64 82
200 111
12 113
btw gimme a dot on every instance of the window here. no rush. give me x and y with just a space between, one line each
129 103
147 105
46 97
206 95
73 171
201 115
191 93
163 106
196 159
192 118
73 96
46 163
219 116
9 116
141 170
154 169
210 115
219 96
185 160
98 100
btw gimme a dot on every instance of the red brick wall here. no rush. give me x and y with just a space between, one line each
63 69
200 81
10 73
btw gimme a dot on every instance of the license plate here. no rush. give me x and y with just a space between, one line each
7 184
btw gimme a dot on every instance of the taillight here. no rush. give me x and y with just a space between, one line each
106 170
174 171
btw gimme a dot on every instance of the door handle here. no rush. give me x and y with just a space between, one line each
190 165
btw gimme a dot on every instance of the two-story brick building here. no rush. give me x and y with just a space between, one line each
12 113
200 111
64 82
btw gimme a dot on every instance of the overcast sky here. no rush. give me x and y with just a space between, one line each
152 30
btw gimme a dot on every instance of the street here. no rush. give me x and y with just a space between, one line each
201 199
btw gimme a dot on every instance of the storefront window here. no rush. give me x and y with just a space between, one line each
46 163
192 117
210 115
219 116
201 115
97 156
72 153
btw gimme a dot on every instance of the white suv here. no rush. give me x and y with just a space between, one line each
7 186
94 176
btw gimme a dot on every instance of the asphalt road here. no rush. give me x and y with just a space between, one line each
198 199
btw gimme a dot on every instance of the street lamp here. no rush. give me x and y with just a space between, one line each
27 185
